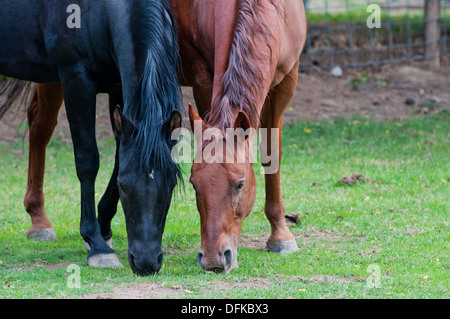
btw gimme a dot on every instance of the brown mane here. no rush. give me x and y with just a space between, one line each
243 78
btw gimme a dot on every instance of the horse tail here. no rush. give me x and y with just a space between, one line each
13 93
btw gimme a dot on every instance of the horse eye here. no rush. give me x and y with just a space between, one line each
239 186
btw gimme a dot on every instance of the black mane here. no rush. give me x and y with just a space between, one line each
158 93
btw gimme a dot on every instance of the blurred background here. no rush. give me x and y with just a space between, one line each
411 30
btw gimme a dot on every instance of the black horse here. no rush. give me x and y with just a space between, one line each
125 48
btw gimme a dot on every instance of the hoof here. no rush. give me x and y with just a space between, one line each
42 234
282 247
104 261
88 247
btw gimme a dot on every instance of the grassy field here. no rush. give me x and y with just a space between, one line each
387 237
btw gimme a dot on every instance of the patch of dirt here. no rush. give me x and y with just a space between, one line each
155 290
292 218
229 286
370 252
385 93
354 179
330 235
254 243
377 93
144 290
324 279
302 237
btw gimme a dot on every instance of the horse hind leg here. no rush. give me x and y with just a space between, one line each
42 119
281 239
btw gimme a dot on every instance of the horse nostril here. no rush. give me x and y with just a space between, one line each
228 255
199 258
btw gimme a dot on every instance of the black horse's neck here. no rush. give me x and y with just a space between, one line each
151 88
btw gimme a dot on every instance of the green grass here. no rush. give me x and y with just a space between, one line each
397 221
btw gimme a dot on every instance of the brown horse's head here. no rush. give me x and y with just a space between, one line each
225 190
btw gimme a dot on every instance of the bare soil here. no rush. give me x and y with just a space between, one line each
156 290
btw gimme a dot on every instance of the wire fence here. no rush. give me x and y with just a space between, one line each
342 33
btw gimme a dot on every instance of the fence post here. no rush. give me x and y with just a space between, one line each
432 31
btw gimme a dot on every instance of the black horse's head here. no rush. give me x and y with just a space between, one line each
152 101
145 191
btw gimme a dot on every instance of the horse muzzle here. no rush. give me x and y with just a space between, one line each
145 264
221 262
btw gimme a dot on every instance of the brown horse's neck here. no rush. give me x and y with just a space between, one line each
225 15
245 62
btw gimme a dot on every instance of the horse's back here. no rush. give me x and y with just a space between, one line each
20 27
294 32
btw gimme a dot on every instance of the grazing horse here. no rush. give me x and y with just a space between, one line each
129 50
241 59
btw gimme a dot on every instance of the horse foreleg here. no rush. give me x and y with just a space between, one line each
281 239
107 207
42 119
80 110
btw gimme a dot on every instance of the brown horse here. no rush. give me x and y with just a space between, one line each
246 83
241 58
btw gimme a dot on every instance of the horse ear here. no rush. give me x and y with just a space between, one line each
242 121
121 124
193 116
175 121
172 123
117 121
